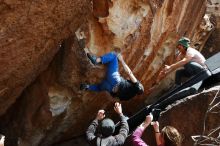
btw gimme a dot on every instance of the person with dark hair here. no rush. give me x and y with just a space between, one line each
169 136
107 127
189 58
114 83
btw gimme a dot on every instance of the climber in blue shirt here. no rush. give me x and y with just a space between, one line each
114 83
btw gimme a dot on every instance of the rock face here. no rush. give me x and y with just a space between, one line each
42 64
212 45
31 33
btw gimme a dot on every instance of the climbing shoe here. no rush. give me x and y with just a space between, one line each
92 58
84 86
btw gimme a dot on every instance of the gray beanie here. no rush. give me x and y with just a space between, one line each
107 127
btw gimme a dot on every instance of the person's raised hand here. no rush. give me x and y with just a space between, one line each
156 126
118 108
148 118
100 115
147 121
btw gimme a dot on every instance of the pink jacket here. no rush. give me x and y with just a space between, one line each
136 138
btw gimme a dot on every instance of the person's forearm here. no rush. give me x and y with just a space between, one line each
123 132
157 137
90 133
177 65
144 125
128 71
125 66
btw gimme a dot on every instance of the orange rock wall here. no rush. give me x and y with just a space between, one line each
42 64
31 33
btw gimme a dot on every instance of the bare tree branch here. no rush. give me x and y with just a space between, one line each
208 140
